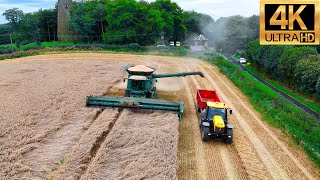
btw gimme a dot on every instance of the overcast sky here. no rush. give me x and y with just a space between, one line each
215 8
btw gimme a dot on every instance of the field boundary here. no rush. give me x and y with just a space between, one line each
288 97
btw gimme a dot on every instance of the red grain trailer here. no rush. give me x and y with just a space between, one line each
213 118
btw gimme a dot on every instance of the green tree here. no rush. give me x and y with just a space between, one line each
318 89
253 27
132 22
123 18
173 18
289 60
81 21
4 34
197 22
99 14
307 73
13 16
48 24
29 28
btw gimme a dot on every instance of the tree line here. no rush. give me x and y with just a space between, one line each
297 67
108 21
29 27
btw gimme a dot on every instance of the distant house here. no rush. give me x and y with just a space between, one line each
201 40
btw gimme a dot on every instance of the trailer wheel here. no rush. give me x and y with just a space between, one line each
229 139
204 134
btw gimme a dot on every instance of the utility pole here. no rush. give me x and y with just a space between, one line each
162 37
11 43
48 30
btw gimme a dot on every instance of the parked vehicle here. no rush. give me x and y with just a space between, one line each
213 117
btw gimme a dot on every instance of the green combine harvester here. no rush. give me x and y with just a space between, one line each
141 92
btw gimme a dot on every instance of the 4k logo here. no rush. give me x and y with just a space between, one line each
289 22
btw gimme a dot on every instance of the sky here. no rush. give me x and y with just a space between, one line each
214 8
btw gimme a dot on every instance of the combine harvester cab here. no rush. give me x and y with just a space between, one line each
141 92
213 117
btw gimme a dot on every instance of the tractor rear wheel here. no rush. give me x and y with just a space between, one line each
229 137
204 134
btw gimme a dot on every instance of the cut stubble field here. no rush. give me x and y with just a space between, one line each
47 132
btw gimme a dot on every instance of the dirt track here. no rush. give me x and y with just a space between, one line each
43 121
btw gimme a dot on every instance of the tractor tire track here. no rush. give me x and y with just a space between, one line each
248 157
221 155
240 159
289 159
83 152
271 164
280 153
199 152
234 164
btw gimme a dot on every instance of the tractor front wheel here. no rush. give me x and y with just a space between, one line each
229 137
205 134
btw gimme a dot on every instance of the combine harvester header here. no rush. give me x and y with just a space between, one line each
141 92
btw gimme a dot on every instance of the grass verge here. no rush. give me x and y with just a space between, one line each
62 47
311 104
276 110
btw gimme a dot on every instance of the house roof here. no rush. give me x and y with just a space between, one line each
201 37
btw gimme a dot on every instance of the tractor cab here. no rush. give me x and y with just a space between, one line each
216 109
137 86
214 122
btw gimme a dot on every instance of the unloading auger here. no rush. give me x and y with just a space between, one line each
141 92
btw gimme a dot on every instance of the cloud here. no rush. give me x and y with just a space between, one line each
221 8
30 6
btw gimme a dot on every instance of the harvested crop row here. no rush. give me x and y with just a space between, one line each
78 159
140 146
43 113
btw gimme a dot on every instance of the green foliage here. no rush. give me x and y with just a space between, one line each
197 22
4 34
31 27
130 21
172 15
289 60
290 65
313 105
13 16
48 24
82 21
266 58
303 128
307 73
318 89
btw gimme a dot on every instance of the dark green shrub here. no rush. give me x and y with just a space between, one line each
289 60
134 46
5 50
307 74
